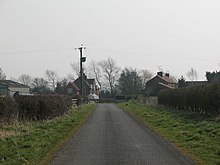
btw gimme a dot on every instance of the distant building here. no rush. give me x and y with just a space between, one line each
195 83
89 87
159 82
93 97
72 89
9 88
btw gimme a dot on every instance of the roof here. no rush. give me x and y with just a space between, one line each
167 79
91 81
166 86
86 82
78 81
10 83
74 85
164 78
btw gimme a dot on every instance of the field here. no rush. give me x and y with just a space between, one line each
36 142
195 135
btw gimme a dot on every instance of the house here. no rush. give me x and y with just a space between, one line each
159 82
72 89
9 88
89 87
86 85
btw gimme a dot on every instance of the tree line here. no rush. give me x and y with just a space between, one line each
110 78
211 77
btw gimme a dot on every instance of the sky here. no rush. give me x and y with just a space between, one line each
172 35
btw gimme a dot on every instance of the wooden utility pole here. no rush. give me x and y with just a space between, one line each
82 59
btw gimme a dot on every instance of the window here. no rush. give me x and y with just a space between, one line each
69 90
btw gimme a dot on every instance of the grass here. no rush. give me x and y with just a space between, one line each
195 135
36 142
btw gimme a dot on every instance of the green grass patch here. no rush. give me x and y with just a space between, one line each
36 142
195 135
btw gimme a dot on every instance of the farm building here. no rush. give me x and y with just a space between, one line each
9 88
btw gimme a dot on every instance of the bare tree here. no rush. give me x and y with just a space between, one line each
61 86
52 78
110 72
25 79
95 71
12 79
192 74
40 86
2 75
70 77
39 82
145 75
76 68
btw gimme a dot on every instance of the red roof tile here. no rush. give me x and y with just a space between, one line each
167 79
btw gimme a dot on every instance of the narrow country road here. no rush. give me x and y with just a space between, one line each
111 137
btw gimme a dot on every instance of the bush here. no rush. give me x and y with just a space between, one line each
202 99
8 110
42 107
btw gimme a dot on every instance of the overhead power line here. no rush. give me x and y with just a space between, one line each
35 51
109 51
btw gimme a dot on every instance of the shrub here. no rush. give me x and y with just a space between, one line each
8 110
42 107
202 99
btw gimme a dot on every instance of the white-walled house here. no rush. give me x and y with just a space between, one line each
9 88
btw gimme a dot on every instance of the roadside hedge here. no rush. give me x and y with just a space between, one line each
203 99
8 110
37 107
42 107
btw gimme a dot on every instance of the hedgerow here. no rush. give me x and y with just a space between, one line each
42 107
8 110
37 107
203 99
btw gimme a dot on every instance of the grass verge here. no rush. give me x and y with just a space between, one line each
36 142
195 135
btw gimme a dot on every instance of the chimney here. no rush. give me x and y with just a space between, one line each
84 76
167 75
160 74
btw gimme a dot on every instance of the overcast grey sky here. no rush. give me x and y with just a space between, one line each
36 35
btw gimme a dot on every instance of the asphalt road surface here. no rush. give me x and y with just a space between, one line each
111 137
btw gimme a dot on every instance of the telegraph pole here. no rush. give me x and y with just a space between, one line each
82 59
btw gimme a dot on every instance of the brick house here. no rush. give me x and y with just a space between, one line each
72 89
159 82
89 87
